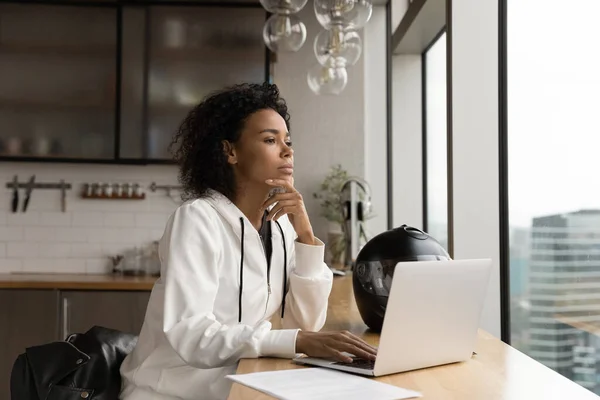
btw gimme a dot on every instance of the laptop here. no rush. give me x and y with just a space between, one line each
432 318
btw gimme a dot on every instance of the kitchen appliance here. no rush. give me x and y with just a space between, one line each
142 261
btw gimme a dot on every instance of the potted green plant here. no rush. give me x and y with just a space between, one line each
328 196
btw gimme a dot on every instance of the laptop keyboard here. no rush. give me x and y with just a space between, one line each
358 363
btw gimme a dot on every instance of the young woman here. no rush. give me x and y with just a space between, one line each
240 250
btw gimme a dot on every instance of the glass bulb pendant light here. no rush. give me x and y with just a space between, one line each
284 33
336 47
324 80
351 14
283 6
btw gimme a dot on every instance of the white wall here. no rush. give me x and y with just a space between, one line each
407 144
475 141
326 130
375 132
407 128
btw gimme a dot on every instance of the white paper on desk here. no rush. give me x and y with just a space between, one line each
319 383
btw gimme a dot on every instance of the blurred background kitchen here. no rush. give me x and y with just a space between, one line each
91 93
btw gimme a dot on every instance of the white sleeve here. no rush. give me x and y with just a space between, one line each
190 268
310 286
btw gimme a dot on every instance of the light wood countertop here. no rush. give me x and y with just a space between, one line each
497 372
75 282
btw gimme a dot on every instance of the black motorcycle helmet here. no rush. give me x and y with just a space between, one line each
375 263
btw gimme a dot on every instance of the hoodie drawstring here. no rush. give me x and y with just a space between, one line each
241 274
242 271
284 269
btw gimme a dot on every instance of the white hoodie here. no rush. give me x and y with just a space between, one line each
214 271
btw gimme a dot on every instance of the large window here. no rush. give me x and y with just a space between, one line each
553 103
435 131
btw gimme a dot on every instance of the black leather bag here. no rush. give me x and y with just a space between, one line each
84 366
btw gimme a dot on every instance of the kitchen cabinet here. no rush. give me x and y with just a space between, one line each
184 53
111 82
58 81
123 311
27 318
35 317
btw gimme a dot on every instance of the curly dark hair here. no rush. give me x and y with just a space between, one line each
220 116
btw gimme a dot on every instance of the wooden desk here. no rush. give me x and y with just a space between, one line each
498 371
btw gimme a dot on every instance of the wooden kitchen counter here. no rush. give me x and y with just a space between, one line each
75 282
497 372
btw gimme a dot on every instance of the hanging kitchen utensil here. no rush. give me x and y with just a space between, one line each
15 198
30 185
63 196
28 191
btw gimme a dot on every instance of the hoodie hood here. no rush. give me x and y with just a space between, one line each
232 214
229 211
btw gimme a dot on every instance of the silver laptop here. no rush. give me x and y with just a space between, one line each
432 317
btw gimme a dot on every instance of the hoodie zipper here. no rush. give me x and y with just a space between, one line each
268 282
268 259
268 279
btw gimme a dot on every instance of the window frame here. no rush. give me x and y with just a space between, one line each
424 130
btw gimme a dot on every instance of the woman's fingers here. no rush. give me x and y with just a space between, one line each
363 346
337 355
360 342
334 345
282 208
352 349
346 341
279 197
288 185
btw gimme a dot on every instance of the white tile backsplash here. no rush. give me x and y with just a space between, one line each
8 265
150 220
54 265
97 266
47 234
71 235
114 248
55 250
80 240
88 218
81 250
119 219
55 218
29 218
22 250
10 233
